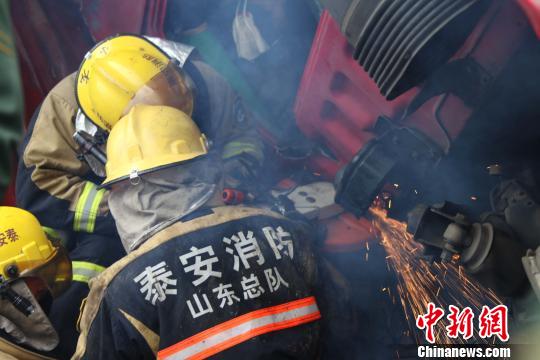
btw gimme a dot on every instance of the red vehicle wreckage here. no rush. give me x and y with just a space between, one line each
408 103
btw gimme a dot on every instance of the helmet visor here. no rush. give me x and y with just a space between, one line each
55 272
170 87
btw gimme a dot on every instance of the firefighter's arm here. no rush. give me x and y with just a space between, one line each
242 152
232 126
50 179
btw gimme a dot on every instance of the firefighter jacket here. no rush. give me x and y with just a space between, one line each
10 351
234 282
60 188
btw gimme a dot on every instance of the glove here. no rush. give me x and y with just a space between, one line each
240 171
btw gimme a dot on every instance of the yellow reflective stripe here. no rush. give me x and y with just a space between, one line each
87 208
84 271
80 278
240 145
88 266
236 148
80 206
53 234
94 210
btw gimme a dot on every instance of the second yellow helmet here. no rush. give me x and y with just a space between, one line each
26 252
149 138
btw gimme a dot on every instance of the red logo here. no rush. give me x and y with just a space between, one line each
491 322
429 320
460 322
494 322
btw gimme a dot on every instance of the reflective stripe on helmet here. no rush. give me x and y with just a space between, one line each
87 208
85 271
243 328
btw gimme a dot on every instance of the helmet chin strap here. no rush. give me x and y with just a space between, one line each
19 302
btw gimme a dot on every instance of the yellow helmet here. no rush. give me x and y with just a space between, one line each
151 137
125 70
26 252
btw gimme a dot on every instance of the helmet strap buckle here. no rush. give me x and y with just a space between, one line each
134 177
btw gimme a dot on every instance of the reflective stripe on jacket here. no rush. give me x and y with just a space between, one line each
84 271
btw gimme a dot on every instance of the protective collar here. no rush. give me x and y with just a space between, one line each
162 198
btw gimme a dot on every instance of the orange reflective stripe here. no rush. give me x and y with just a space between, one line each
255 332
242 328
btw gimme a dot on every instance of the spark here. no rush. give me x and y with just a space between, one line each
419 282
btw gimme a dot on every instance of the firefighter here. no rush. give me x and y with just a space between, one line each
11 105
200 279
58 181
33 271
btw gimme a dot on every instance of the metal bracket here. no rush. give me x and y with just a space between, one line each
361 180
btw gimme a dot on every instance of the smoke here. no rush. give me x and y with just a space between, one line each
502 129
267 84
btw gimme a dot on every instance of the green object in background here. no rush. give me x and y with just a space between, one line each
11 104
213 53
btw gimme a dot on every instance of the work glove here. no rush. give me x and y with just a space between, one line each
241 171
